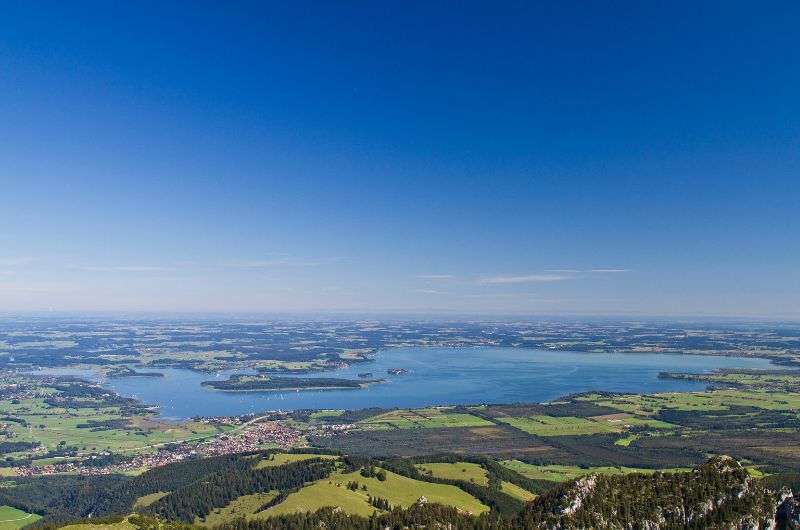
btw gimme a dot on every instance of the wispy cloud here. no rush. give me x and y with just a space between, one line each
498 295
527 278
435 276
428 291
15 261
587 271
286 261
124 268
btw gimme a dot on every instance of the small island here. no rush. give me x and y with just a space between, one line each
396 371
365 375
246 383
127 371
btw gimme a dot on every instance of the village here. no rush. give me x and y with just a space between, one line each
254 435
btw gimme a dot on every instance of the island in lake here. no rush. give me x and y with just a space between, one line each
127 371
396 371
244 383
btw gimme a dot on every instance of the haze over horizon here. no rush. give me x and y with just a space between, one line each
495 159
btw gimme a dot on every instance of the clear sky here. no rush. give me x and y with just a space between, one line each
489 157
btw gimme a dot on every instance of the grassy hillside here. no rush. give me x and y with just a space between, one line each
515 491
466 471
245 506
397 489
279 459
12 518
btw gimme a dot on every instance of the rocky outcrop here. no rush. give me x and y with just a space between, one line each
717 494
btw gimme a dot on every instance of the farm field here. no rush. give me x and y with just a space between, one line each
52 429
629 420
12 518
101 429
429 418
559 426
563 473
717 400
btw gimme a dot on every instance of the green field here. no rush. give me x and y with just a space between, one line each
515 491
317 414
147 500
12 518
559 426
425 419
627 440
245 506
697 401
279 459
397 489
629 420
563 473
51 425
465 471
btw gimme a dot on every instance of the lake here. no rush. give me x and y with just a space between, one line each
438 376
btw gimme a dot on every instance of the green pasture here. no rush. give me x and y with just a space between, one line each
424 419
563 473
12 518
558 426
279 459
465 471
515 491
397 489
245 506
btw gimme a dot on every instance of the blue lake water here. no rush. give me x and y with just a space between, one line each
438 376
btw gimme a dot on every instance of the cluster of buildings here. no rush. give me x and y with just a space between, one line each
251 437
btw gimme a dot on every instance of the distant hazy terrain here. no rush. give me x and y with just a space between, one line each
477 461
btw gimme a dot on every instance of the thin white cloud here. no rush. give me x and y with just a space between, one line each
125 268
15 261
587 271
428 291
499 295
435 276
281 262
527 278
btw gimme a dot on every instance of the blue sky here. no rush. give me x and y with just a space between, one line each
531 158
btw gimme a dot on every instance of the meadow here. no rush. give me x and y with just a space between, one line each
560 426
279 459
245 506
12 518
428 418
563 473
397 489
466 471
